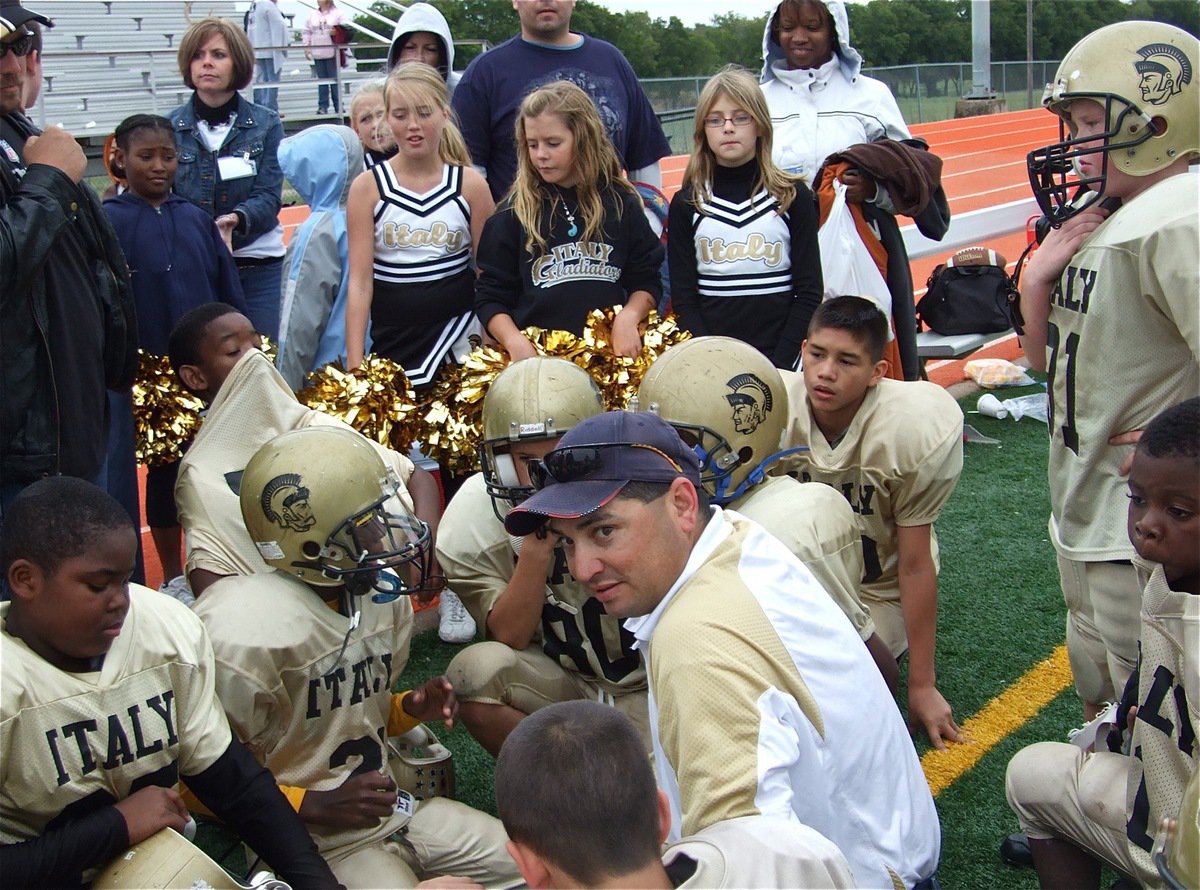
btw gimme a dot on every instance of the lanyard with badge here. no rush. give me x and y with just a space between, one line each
231 167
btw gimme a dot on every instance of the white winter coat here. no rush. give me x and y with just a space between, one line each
423 17
818 111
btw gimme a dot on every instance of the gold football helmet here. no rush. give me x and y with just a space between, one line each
727 401
1144 75
534 399
422 765
168 861
320 504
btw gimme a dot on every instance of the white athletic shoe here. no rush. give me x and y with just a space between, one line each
1085 736
455 624
178 588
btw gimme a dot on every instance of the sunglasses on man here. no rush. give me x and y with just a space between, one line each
19 47
576 462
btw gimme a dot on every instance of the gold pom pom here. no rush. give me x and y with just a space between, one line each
269 347
452 410
620 376
376 399
165 415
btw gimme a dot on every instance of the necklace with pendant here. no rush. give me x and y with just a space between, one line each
574 229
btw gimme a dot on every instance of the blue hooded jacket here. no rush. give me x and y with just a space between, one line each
320 163
177 261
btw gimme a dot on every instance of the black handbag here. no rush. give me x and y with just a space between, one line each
970 293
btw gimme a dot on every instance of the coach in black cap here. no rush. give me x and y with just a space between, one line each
596 460
624 493
68 324
763 699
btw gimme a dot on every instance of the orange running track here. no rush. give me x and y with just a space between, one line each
983 166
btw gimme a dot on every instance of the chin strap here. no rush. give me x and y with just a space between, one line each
388 587
354 619
722 496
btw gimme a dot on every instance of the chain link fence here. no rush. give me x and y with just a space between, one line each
925 92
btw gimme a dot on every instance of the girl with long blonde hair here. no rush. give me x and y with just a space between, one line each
742 234
570 236
412 223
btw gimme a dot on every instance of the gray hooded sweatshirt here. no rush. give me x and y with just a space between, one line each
423 17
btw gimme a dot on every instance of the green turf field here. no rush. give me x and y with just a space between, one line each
1000 612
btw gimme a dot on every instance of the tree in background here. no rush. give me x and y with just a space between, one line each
886 32
736 39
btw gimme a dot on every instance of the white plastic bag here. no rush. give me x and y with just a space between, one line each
846 264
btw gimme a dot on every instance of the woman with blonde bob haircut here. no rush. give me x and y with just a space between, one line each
742 234
570 236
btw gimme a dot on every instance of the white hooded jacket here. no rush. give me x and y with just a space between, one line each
423 17
818 111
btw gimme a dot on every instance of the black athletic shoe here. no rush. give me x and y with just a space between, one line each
1014 850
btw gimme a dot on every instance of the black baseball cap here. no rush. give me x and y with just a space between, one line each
595 460
13 15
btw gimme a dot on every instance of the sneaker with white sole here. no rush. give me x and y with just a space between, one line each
178 588
1085 736
455 624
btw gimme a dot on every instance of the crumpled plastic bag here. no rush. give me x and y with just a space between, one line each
847 267
993 372
1036 405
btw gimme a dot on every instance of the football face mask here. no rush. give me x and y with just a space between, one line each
1072 174
384 536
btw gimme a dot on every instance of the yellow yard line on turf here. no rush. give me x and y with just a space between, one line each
1003 715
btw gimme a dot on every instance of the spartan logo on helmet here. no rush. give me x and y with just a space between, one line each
285 502
1164 69
751 401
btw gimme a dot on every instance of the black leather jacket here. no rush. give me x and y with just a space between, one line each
37 205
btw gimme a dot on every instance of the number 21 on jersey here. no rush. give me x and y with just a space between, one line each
1064 351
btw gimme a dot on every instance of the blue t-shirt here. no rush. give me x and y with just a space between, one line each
491 90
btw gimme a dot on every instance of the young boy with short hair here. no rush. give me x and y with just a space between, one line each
108 701
731 404
308 654
578 800
547 638
894 450
1083 808
1116 277
216 353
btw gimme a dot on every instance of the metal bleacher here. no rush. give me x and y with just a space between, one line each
107 59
